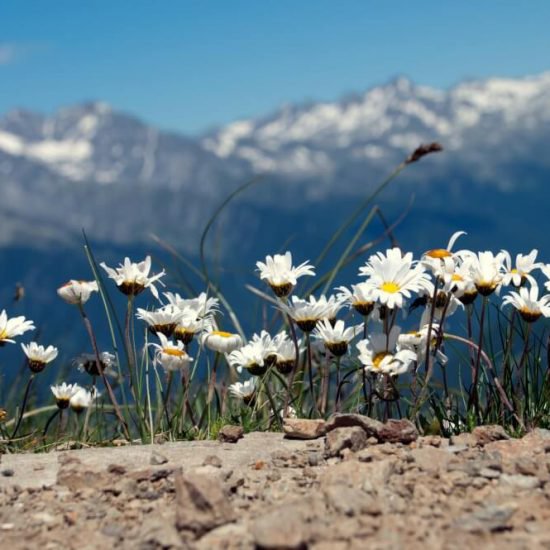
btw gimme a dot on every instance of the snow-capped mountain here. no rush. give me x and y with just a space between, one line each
480 123
89 166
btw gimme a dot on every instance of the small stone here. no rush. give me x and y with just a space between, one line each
212 460
157 459
337 440
274 475
350 501
489 473
230 434
340 420
520 481
491 518
8 472
365 455
303 428
44 518
463 440
287 526
397 431
488 434
313 458
430 440
201 503
526 466
479 482
6 526
116 469
113 530
431 459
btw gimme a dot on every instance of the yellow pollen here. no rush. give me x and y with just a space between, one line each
221 333
457 277
390 287
438 253
377 359
3 334
174 351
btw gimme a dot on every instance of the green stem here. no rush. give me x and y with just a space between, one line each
23 406
100 369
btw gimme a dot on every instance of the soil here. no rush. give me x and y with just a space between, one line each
348 488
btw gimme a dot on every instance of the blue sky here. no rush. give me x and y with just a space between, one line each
190 65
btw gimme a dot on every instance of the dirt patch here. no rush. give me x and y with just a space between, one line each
339 491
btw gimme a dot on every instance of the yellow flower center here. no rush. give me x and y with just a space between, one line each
438 253
457 277
3 334
221 333
390 287
377 359
174 352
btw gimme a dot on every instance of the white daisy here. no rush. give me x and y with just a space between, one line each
486 271
163 320
202 306
525 264
394 276
286 353
336 338
9 328
437 258
528 303
249 357
360 297
281 275
86 362
244 390
189 325
77 292
171 356
133 278
332 304
39 356
82 399
220 341
445 304
306 313
63 393
417 341
269 347
463 285
379 354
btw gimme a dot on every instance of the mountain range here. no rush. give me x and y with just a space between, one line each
90 167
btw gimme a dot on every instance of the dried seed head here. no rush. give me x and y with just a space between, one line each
423 150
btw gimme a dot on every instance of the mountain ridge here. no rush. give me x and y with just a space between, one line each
89 166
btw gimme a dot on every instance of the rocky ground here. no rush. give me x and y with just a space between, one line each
355 483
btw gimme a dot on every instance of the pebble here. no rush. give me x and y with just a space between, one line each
157 459
489 473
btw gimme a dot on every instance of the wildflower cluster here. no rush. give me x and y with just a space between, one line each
384 345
